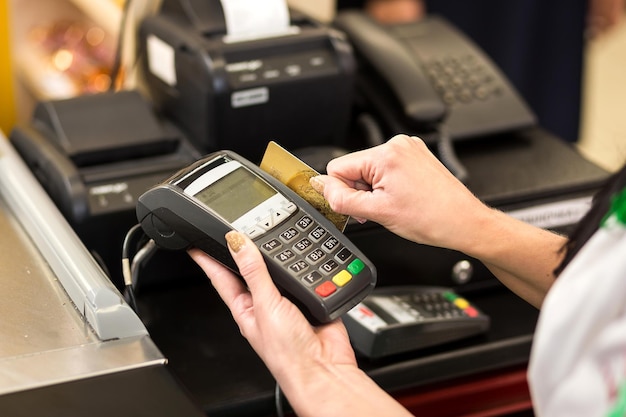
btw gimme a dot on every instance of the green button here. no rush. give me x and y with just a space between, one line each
356 266
450 296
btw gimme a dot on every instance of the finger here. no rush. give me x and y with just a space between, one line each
229 287
364 166
352 168
252 267
343 198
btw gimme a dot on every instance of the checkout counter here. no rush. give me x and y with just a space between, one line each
71 343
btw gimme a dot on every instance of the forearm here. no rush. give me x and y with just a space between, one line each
521 256
340 391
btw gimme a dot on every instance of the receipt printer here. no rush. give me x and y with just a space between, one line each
293 87
94 155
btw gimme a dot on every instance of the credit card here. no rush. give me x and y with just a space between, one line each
295 174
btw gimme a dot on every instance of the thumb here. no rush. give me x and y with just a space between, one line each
251 266
351 199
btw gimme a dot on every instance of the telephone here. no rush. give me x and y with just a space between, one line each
427 78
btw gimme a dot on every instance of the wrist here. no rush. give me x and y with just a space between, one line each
337 390
498 235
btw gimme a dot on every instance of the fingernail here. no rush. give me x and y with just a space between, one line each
317 184
235 240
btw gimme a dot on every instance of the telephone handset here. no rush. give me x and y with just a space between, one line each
421 75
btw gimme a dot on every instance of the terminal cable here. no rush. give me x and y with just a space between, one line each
140 258
130 270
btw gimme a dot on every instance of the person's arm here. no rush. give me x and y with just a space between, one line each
314 366
395 11
405 188
521 256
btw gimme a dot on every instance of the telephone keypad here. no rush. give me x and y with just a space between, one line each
462 79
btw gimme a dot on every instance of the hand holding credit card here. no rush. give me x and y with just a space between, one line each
295 174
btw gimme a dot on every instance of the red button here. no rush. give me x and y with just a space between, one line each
326 289
471 311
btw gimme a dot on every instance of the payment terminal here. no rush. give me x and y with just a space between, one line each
309 259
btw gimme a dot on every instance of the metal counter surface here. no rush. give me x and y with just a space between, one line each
37 315
44 338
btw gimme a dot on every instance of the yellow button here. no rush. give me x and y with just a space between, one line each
342 278
461 303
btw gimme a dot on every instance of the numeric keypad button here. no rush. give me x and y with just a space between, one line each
271 245
304 223
312 278
289 234
317 234
316 255
302 245
330 244
285 255
343 255
299 267
328 267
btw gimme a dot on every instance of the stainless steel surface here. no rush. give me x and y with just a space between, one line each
44 338
35 312
81 277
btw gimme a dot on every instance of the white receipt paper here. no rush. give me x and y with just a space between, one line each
250 19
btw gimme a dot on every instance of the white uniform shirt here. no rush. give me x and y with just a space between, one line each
578 360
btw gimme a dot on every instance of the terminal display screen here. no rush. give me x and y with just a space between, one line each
235 194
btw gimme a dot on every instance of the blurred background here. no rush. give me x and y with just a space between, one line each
60 48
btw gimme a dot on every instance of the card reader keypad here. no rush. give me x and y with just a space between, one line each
312 255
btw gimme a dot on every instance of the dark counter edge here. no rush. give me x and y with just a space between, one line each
454 364
413 374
